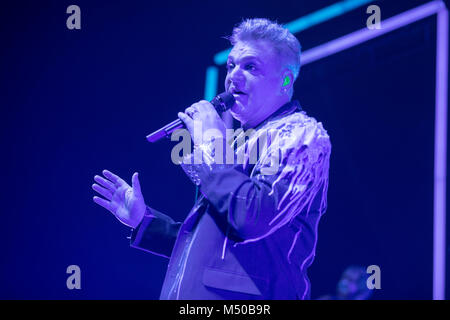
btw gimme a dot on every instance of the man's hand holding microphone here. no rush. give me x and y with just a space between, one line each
127 202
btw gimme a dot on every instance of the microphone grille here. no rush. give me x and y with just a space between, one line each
223 101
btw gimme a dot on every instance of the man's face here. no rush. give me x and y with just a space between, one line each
254 76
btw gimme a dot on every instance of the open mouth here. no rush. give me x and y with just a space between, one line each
235 91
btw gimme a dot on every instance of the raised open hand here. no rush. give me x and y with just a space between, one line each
125 202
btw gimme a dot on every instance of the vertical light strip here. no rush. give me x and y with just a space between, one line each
212 76
221 57
440 156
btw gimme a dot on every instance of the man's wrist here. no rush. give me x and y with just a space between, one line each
139 221
211 152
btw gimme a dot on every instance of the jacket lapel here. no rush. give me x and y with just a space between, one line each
195 213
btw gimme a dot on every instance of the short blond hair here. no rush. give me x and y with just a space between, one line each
284 42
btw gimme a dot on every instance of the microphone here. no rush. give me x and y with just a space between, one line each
221 103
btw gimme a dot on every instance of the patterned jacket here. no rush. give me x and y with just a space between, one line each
252 233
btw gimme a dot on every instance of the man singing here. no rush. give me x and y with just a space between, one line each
252 233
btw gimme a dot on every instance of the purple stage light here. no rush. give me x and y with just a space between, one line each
440 155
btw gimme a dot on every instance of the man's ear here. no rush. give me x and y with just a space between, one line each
287 81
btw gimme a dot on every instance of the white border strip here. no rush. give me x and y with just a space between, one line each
440 155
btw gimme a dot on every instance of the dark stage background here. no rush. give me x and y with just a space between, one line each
74 102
